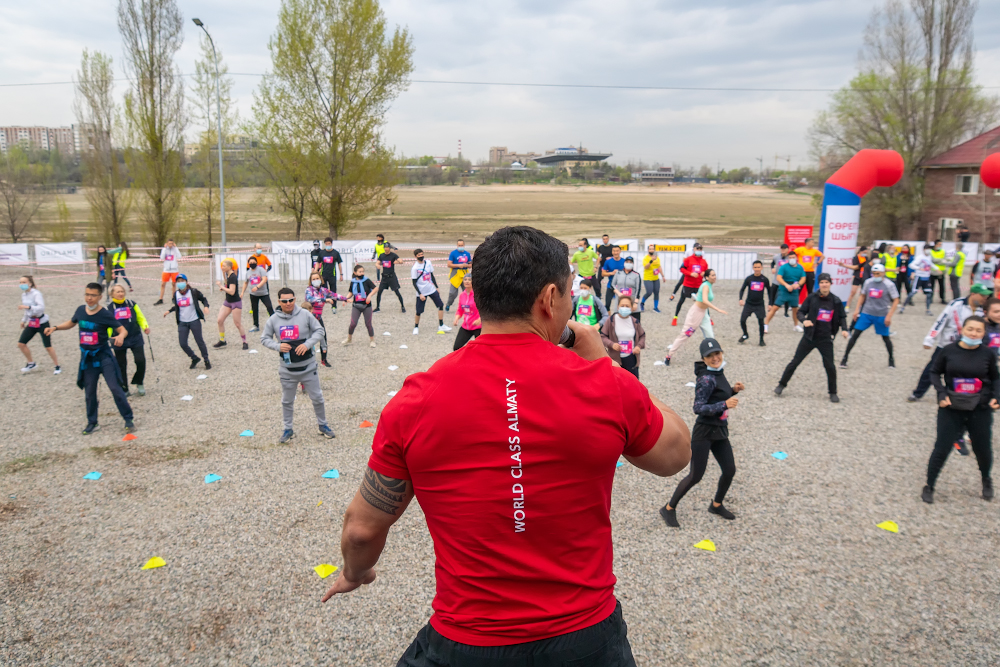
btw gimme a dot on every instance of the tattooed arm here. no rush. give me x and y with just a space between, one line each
376 506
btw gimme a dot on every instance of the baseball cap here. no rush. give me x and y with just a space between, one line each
982 290
181 276
696 245
710 345
878 267
988 251
824 276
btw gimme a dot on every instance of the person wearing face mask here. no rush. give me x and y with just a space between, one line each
714 397
187 308
967 383
33 321
756 286
809 258
697 316
128 314
96 324
460 263
790 279
609 269
585 260
605 251
422 275
624 337
170 255
232 304
920 277
362 291
376 253
587 308
293 333
314 255
330 264
318 296
693 270
388 261
103 266
627 282
256 280
468 314
259 258
824 316
876 304
984 270
652 276
946 330
778 261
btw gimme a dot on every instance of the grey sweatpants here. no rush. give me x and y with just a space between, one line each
452 293
289 384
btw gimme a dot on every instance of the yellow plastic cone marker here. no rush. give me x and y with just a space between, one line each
890 526
707 545
155 561
324 570
319 503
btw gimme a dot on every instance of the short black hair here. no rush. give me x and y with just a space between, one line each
936 241
97 286
992 301
511 268
587 282
974 318
757 261
328 239
784 246
417 251
380 236
286 290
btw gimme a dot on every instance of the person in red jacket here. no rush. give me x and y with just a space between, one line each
693 269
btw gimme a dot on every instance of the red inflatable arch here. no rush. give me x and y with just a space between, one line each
989 173
869 168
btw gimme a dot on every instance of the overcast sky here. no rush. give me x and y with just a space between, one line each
710 43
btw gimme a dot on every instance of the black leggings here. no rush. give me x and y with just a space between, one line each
631 364
855 335
385 285
902 282
139 356
753 309
722 450
951 424
464 336
255 302
687 292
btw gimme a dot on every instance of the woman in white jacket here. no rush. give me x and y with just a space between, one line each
33 321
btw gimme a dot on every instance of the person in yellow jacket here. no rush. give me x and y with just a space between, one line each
652 276
127 313
956 266
940 271
118 257
890 260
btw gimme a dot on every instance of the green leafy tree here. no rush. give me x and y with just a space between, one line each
335 71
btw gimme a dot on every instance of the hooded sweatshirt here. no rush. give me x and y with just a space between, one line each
32 298
299 327
712 390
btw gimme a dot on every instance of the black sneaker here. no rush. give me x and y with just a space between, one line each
91 428
666 361
744 338
762 343
286 436
927 495
778 390
158 303
843 364
194 362
912 398
892 362
326 363
962 449
221 343
245 346
208 365
834 398
376 311
404 310
129 426
988 489
670 516
720 511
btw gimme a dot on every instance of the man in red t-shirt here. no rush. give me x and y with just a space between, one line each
516 496
693 270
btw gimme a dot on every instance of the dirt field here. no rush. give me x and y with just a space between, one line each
721 214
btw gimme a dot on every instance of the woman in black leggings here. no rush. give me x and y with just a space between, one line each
362 291
713 399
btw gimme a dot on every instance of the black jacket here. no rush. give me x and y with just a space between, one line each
199 298
809 310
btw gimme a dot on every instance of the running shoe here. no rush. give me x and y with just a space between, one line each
799 328
766 329
158 302
670 516
346 341
326 431
961 447
445 327
91 428
744 338
892 363
778 390
834 398
912 398
447 309
221 343
666 361
371 344
194 362
786 313
30 367
655 309
929 312
902 309
245 346
57 371
843 364
416 330
674 322
762 343
720 511
988 489
326 363
286 436
208 365
376 311
927 495
642 308
672 296
254 330
129 426
404 310
141 390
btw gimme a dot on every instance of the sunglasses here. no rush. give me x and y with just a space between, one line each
286 300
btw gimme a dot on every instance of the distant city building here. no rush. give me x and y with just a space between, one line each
66 140
661 175
566 158
500 155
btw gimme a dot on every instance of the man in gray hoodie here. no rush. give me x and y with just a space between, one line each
292 333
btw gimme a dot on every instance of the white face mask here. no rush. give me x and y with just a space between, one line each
721 366
629 265
793 262
697 253
625 311
584 293
317 283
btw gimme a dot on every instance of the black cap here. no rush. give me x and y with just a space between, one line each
824 276
316 242
696 245
708 346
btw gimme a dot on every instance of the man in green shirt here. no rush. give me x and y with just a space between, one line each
584 259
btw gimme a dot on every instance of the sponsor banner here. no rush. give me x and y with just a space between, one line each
839 243
670 245
59 253
796 235
13 254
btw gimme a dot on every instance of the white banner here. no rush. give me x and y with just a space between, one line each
59 253
291 246
13 254
840 244
727 265
627 245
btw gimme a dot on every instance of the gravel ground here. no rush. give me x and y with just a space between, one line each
803 576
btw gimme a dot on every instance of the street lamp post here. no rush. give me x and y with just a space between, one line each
218 109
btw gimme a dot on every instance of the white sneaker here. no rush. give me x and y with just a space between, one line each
346 341
445 327
30 367
416 330
799 328
57 371
441 330
765 329
371 344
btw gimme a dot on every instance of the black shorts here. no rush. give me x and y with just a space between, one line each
390 281
29 332
858 281
435 297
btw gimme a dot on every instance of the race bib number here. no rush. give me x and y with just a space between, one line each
825 315
725 415
123 313
169 258
967 385
467 309
386 264
696 269
874 293
426 278
328 260
987 275
656 272
585 310
255 281
290 332
626 291
184 301
34 322
89 338
626 346
359 298
462 259
756 287
994 339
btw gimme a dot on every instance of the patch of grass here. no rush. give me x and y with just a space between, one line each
35 461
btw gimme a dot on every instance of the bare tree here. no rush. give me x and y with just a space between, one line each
288 179
154 110
22 191
100 122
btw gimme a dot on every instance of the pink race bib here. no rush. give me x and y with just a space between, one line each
994 339
123 313
426 278
34 322
328 260
756 287
656 272
987 276
169 258
467 309
626 346
967 385
825 315
585 310
386 264
89 338
184 301
696 269
255 281
874 293
626 291
290 332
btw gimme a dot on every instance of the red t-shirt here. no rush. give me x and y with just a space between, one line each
516 486
694 268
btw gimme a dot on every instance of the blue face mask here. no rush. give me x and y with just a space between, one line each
973 342
182 286
329 247
719 369
624 311
25 287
